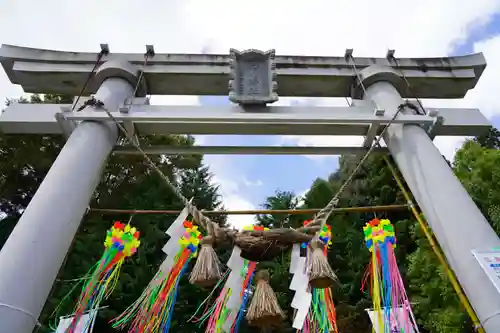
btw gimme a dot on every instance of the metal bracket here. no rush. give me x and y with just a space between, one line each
131 101
434 127
127 124
371 134
348 54
77 103
422 110
67 125
104 49
150 51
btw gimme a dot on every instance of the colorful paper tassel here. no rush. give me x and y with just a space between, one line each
322 315
121 242
226 314
152 312
219 313
387 288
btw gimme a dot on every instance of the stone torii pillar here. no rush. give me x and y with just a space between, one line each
456 221
34 252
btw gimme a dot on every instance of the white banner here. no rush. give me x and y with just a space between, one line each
399 323
489 260
84 325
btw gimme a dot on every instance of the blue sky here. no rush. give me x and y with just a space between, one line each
261 175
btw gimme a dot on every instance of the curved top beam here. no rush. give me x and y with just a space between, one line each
48 71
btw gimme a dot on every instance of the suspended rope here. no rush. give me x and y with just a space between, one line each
361 209
91 74
321 216
410 88
325 213
205 222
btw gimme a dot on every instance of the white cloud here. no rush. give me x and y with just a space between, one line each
314 27
483 97
301 196
252 183
231 191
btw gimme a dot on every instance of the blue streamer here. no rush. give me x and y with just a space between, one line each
243 304
170 312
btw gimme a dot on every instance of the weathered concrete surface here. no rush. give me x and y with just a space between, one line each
232 119
46 71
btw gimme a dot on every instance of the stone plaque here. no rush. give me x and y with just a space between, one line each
252 77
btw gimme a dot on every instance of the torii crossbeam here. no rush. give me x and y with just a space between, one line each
255 79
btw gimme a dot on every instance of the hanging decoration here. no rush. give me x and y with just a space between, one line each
315 307
216 313
300 284
391 307
207 269
234 319
321 274
226 313
264 310
152 312
85 323
257 250
121 242
322 316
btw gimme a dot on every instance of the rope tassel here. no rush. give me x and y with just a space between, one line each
264 310
207 270
321 275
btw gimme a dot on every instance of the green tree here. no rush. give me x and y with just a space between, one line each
436 304
438 308
281 200
490 139
127 182
478 169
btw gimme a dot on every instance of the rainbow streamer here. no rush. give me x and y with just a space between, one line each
152 311
218 313
322 316
387 288
245 294
325 236
121 242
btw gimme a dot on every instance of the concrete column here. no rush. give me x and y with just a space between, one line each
456 221
34 252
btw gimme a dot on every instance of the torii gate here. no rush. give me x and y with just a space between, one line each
255 80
